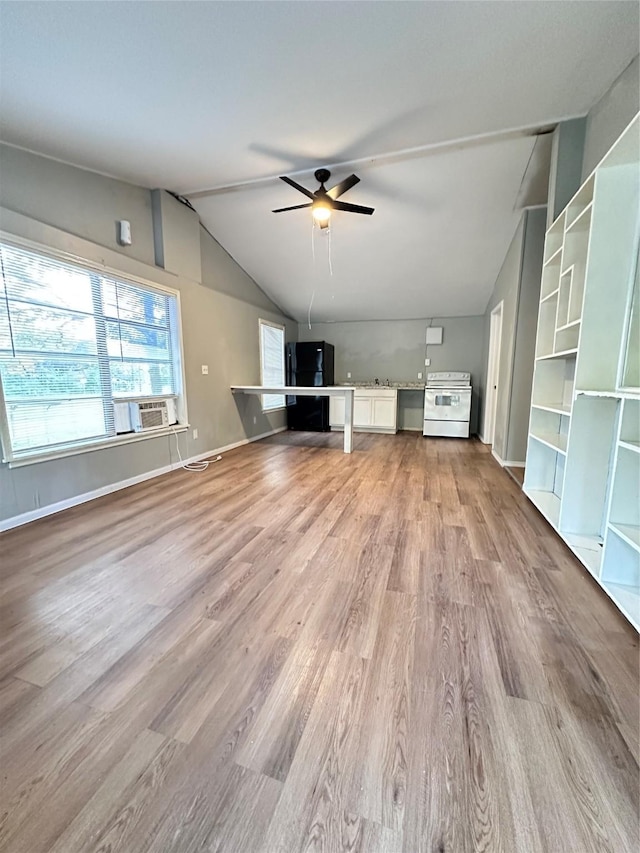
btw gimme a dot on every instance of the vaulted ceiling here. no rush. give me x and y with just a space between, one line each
435 105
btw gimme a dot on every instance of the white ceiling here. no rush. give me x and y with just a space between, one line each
195 96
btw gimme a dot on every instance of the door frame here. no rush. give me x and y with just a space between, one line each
493 374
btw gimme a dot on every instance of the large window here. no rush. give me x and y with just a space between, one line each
73 342
271 363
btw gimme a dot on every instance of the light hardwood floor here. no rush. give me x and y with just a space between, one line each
300 650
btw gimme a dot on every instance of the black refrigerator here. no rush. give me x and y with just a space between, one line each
309 364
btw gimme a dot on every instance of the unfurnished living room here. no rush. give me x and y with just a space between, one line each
320 426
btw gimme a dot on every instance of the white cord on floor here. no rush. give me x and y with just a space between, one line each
200 465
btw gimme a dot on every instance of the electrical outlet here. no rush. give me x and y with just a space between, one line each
195 433
420 374
427 362
205 369
348 375
254 420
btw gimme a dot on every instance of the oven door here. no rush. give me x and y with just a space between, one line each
447 404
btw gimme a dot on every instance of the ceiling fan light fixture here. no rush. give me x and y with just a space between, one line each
321 211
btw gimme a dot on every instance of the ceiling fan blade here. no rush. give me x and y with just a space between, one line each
296 186
352 208
295 207
343 186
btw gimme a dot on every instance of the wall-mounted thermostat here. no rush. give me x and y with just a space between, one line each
434 335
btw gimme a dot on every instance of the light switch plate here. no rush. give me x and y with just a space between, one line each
420 374
427 362
195 433
205 369
348 376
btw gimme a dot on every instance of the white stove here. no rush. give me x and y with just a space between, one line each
447 404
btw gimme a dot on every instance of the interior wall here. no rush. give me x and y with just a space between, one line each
219 319
396 350
76 201
505 291
609 117
525 336
518 287
565 175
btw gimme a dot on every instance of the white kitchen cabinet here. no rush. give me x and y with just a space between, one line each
362 410
336 411
384 412
583 459
374 410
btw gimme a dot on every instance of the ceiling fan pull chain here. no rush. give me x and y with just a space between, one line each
313 242
329 229
309 312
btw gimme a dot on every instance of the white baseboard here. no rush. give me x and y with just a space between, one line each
482 439
506 464
52 509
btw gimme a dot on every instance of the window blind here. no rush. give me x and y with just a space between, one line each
72 341
272 363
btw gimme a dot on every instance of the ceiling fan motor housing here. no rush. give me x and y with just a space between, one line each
322 175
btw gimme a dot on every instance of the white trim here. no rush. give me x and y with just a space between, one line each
52 509
281 328
508 463
494 356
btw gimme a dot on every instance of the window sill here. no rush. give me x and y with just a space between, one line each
89 447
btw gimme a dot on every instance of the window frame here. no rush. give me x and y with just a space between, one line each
28 457
282 328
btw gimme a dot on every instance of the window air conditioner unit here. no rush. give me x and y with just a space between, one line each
151 415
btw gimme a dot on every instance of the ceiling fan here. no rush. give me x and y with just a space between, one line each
324 201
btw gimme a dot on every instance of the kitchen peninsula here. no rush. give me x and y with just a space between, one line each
344 393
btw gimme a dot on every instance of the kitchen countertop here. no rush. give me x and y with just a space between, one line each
347 392
393 386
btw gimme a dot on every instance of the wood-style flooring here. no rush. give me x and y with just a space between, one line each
301 650
516 473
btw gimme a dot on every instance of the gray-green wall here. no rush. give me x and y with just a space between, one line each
505 291
518 288
609 117
396 350
525 335
565 175
76 211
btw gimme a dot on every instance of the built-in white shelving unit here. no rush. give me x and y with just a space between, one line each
583 458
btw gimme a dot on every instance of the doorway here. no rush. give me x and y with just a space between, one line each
493 374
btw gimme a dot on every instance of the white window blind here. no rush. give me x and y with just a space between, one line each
271 363
73 340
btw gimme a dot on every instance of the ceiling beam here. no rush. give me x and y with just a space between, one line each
386 157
